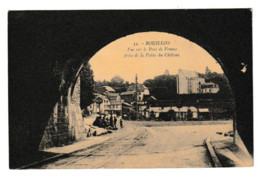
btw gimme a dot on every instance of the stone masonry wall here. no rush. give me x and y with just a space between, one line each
65 124
76 122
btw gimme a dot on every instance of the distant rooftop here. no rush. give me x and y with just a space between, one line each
108 88
112 96
140 87
127 93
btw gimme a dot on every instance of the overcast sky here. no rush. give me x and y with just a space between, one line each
111 60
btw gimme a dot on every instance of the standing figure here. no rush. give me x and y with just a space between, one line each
121 123
115 120
111 122
107 121
104 123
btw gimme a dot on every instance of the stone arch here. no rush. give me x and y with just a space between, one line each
38 42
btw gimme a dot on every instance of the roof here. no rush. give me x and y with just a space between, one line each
140 87
101 96
152 97
175 109
108 88
112 96
193 109
203 110
127 93
155 109
184 109
208 83
187 73
115 102
166 109
126 104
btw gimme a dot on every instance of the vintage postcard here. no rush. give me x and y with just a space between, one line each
130 89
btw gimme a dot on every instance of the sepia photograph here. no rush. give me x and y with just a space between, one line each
117 89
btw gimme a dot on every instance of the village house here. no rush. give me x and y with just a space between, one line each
209 87
204 114
182 113
141 90
111 102
103 107
128 96
115 106
107 89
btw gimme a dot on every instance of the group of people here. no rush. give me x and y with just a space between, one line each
107 121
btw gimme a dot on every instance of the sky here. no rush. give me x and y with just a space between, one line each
176 53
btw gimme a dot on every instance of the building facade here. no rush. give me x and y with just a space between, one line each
209 87
189 82
111 103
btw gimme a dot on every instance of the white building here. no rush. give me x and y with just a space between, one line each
189 82
111 103
102 108
209 87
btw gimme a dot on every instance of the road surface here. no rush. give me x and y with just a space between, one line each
149 145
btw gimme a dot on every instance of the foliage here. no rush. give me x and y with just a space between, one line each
222 81
162 87
116 83
86 86
117 80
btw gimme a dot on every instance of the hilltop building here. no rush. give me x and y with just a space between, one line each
189 82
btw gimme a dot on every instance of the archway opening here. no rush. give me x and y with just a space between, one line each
161 79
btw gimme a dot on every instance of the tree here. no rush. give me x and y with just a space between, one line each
86 86
117 79
117 83
162 87
222 81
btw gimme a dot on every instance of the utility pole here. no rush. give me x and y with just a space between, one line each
178 93
136 95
